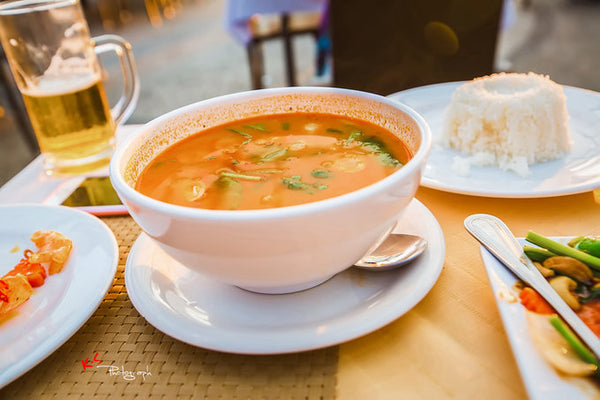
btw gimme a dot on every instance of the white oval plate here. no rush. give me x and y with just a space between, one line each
64 303
205 313
578 171
541 380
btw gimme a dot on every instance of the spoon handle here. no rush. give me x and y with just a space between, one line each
495 236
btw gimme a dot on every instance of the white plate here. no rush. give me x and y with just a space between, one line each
541 380
576 172
205 313
64 303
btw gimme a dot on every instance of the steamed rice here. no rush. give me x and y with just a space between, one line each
509 120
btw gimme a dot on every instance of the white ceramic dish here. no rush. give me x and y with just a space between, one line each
578 171
541 380
57 309
205 313
247 248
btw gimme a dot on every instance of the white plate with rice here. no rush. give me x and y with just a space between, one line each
576 172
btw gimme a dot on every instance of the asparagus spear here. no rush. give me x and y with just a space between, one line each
573 340
537 254
563 250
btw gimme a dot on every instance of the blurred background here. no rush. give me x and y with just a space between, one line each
191 50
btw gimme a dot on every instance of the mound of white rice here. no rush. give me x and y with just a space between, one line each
507 119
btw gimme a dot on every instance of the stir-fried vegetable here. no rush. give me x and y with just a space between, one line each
588 244
575 275
562 249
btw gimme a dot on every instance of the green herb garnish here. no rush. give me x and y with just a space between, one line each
257 127
273 155
295 183
321 174
333 130
354 135
244 134
386 158
241 176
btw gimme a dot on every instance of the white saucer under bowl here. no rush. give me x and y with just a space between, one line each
205 313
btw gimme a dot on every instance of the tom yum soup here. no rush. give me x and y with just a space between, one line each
273 161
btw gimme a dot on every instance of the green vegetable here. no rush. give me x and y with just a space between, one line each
295 183
285 126
537 254
333 130
241 176
231 192
389 160
377 146
563 250
579 348
589 244
354 135
274 154
257 127
244 134
321 174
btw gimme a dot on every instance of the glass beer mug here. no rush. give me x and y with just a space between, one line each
54 62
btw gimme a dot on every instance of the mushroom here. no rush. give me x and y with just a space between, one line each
570 267
564 286
546 272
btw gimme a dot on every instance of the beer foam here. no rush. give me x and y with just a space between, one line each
72 68
59 84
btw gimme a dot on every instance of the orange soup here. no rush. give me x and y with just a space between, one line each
272 161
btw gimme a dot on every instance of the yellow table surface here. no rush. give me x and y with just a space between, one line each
453 343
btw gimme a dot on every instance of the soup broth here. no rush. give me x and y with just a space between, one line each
272 161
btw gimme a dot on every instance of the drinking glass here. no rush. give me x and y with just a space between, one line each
55 65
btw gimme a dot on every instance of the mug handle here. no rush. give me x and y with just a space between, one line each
131 85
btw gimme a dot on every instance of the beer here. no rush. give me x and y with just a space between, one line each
54 62
74 128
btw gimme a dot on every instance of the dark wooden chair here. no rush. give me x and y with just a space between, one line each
384 46
252 23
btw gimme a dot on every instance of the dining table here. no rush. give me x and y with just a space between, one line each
451 344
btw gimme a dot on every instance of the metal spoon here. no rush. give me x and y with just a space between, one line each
396 250
495 236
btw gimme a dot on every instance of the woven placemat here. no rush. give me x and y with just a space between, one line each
118 354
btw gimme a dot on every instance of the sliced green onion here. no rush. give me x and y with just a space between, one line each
239 132
257 127
274 154
241 176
